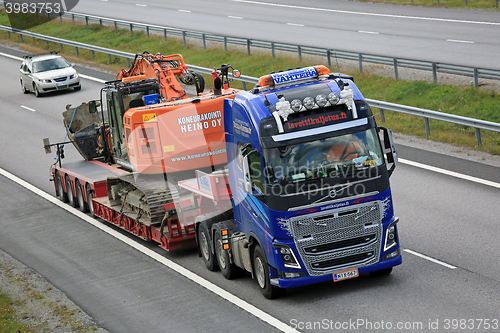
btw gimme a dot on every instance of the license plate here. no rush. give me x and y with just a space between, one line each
61 86
344 275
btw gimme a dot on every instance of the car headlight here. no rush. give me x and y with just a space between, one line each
74 76
44 80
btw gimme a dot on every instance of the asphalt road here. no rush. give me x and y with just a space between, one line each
460 37
128 285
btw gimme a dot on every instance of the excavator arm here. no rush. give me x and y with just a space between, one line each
165 69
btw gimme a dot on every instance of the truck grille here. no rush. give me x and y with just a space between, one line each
328 242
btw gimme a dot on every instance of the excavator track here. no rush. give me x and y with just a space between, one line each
143 194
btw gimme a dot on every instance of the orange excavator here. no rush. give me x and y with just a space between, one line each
166 69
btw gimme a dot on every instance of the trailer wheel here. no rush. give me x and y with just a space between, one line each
60 194
206 252
80 198
90 196
69 192
230 271
261 268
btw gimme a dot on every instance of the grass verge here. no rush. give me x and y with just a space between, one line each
469 4
468 102
8 319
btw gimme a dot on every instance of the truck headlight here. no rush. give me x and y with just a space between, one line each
289 259
391 235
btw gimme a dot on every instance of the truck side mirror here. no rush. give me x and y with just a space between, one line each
389 148
93 106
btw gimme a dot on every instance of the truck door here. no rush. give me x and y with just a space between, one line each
252 212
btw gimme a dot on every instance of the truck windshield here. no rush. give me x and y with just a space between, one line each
323 158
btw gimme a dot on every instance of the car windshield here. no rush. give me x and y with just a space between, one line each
50 64
322 158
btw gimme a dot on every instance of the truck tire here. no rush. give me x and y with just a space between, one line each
90 196
60 194
229 270
205 248
82 205
261 268
69 193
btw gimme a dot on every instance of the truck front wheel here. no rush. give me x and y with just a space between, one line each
262 276
206 252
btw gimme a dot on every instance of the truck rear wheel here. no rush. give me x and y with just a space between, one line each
206 252
80 198
69 192
60 194
230 271
262 276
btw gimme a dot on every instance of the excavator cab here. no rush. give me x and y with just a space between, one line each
122 95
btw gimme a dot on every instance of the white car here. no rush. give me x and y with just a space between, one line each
46 73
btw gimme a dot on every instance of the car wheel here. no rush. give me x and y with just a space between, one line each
78 88
37 93
24 88
261 269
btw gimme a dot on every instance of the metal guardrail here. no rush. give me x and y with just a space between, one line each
361 58
426 114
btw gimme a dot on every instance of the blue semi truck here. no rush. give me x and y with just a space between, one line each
288 182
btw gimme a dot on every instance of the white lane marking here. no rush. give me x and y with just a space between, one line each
27 108
368 32
172 265
295 24
449 173
11 56
184 11
460 41
366 14
430 259
141 5
92 78
236 17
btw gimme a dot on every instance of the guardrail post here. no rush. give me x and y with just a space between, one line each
244 85
496 3
61 46
128 62
8 34
93 54
47 42
60 17
382 116
22 40
466 2
434 72
396 68
109 57
360 57
184 38
299 50
100 23
86 20
248 46
204 41
328 55
427 128
165 34
116 26
476 78
272 49
72 18
131 28
48 16
478 137
147 31
225 43
77 51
